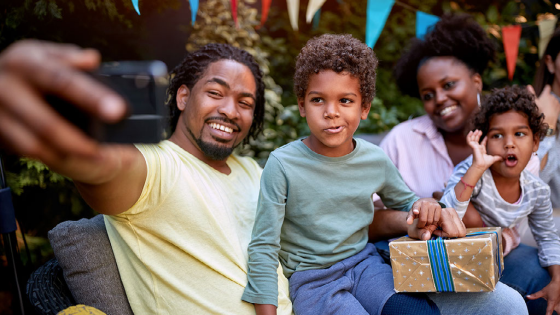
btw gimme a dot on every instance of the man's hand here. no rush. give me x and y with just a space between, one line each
449 222
551 293
30 70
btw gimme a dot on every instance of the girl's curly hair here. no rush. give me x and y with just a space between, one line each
455 35
510 98
189 71
339 53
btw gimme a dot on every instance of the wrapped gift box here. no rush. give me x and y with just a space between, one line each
468 264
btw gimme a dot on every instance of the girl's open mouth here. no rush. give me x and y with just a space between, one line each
511 160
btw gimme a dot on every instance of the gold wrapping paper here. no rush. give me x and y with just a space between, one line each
472 262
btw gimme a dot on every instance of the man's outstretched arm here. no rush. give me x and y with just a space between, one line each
110 178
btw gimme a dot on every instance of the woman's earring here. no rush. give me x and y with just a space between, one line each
478 98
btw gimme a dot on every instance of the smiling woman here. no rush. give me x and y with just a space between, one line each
444 70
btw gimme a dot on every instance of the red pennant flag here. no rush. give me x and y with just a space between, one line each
511 36
234 12
264 13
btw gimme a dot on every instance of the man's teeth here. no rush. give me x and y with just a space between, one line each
221 127
447 110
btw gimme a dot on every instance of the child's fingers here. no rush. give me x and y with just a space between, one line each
484 141
412 214
497 158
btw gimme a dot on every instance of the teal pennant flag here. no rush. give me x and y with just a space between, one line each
194 10
316 19
135 5
377 13
423 22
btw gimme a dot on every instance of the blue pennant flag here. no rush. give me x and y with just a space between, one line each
423 22
377 13
194 10
135 5
316 19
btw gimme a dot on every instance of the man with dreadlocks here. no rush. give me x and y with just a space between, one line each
179 214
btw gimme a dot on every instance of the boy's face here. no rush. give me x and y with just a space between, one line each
333 108
510 137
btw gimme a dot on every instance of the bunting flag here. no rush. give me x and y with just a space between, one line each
135 5
316 19
194 10
511 36
377 13
293 10
234 12
423 22
546 29
312 7
264 13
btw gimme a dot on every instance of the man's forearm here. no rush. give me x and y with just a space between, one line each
388 223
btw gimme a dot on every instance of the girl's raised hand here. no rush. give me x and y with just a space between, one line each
481 159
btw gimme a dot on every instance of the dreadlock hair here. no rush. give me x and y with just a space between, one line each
193 66
339 53
510 98
457 36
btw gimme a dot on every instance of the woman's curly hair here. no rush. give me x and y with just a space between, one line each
189 71
339 53
454 35
510 98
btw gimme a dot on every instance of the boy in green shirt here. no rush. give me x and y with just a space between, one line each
315 201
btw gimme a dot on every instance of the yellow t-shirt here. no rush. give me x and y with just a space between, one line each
182 248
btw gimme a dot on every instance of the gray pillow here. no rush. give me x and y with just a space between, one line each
84 252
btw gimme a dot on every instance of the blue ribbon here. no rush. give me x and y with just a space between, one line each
439 261
441 272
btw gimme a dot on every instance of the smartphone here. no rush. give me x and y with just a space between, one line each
143 85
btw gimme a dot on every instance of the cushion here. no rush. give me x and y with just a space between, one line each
84 252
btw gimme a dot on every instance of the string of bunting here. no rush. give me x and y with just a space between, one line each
377 13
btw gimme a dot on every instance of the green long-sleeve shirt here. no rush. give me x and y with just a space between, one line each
314 211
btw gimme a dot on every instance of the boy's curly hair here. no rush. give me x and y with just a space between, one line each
193 66
510 98
339 53
455 35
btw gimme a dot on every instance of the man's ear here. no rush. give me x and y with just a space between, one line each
365 111
301 106
182 97
549 63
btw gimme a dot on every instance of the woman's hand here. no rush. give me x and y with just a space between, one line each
481 160
548 105
551 293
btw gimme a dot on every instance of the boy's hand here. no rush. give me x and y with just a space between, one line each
427 210
265 309
481 160
450 224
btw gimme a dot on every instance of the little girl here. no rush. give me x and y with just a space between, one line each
494 182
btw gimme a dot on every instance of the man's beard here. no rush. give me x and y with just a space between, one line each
212 151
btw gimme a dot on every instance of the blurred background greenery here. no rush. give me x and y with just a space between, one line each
43 199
